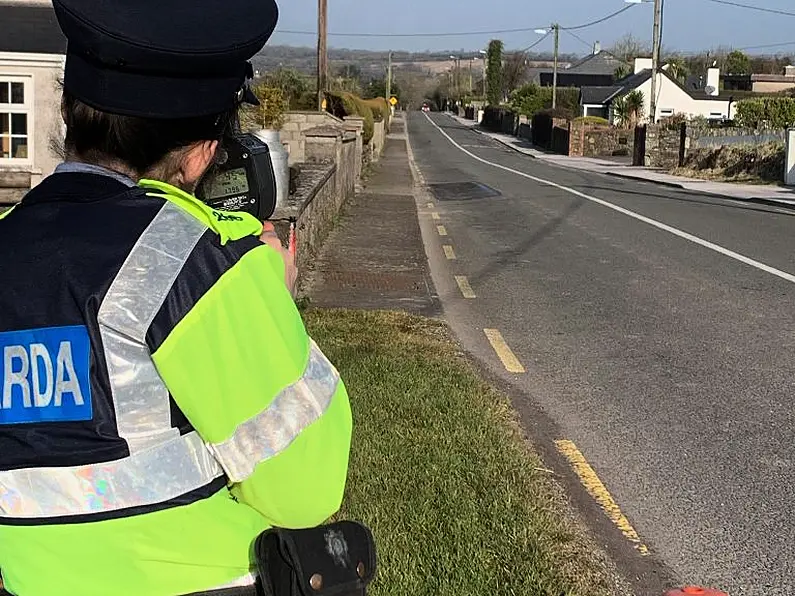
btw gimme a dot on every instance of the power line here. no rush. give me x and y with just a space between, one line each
458 33
578 38
534 44
751 7
602 20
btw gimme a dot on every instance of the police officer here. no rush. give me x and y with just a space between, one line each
162 403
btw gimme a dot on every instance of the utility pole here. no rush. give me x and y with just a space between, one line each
389 77
655 60
322 51
556 28
470 77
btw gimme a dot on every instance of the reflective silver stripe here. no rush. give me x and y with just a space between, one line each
247 580
162 465
146 477
276 427
140 398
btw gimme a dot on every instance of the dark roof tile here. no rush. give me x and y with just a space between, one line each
30 28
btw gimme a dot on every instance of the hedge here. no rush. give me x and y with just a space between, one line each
768 112
348 104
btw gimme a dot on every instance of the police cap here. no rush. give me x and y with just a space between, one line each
162 58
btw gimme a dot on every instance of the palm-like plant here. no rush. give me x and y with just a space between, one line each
629 109
622 72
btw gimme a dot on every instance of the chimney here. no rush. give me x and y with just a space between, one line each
789 71
597 47
642 64
713 81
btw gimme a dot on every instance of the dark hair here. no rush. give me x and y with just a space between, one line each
138 143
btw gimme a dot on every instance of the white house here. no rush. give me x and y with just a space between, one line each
32 57
672 96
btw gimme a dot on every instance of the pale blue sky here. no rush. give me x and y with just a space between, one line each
689 25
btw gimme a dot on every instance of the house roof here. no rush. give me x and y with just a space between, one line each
602 63
30 28
598 95
633 81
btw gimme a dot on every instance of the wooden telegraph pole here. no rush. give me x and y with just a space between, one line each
322 51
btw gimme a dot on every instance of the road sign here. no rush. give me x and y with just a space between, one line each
393 100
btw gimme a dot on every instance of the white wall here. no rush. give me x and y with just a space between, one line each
45 120
672 97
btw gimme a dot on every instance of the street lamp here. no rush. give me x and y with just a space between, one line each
655 53
556 28
456 77
485 67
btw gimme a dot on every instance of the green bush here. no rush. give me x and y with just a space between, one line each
768 112
530 99
592 120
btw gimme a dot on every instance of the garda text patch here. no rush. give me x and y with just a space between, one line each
45 375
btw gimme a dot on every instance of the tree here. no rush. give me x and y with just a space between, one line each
628 110
622 72
293 85
377 88
514 72
494 76
677 68
629 47
737 63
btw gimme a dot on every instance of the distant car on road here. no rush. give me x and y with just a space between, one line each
426 107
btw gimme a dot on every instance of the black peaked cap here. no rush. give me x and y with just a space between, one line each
162 58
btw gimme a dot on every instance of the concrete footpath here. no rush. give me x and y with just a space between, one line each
374 258
742 192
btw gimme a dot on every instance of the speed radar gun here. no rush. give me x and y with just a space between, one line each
241 178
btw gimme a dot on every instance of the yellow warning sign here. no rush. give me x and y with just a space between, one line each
393 100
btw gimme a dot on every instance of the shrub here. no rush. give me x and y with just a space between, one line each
530 99
673 122
592 120
348 104
768 112
273 104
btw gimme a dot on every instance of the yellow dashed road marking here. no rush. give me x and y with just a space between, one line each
509 359
442 230
435 216
599 492
430 205
449 252
463 285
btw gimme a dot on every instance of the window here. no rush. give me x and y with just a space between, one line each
666 112
15 104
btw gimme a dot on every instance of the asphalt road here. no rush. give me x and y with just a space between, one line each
668 362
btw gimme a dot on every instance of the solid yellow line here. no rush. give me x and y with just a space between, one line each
599 492
463 285
449 252
509 359
442 230
430 205
435 216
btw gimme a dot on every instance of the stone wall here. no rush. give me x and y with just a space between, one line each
379 138
595 140
295 124
13 186
663 147
699 136
326 180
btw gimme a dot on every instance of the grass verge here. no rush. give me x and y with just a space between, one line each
439 470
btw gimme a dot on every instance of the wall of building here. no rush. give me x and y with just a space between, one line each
44 119
773 86
672 97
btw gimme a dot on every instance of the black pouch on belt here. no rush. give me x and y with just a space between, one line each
333 560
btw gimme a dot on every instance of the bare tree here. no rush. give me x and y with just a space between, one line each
514 72
630 47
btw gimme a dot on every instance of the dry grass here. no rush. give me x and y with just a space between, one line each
754 164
